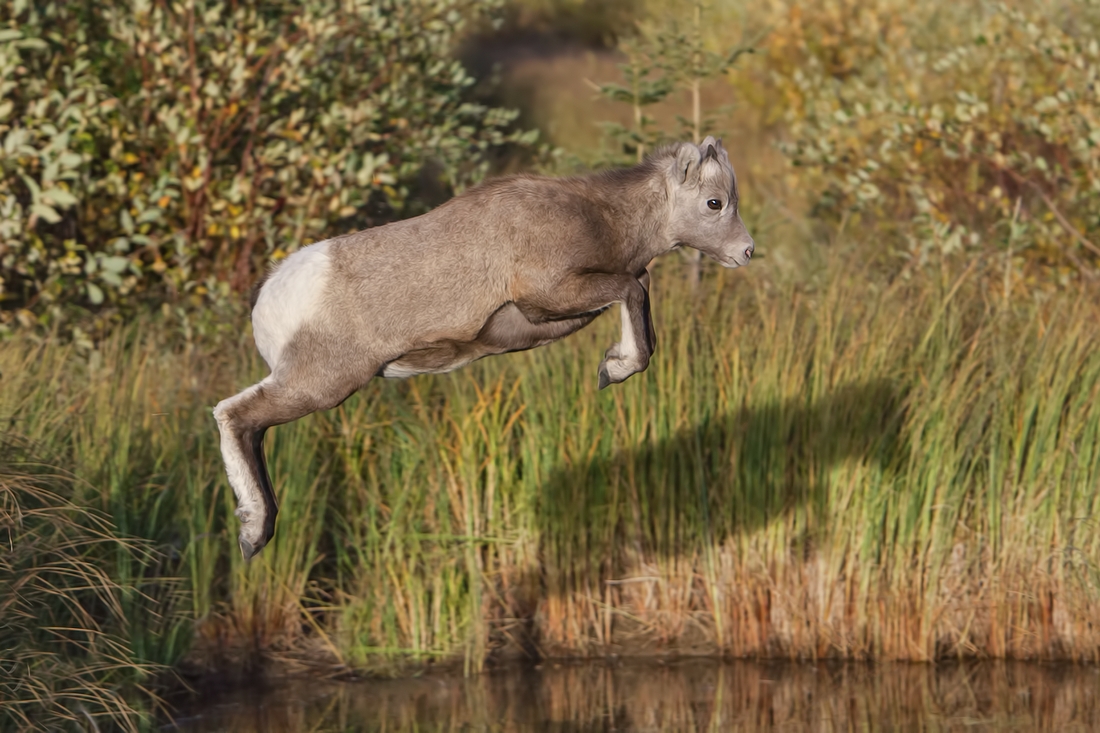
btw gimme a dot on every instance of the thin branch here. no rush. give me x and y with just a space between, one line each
1070 229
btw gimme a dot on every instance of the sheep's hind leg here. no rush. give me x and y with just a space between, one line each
242 421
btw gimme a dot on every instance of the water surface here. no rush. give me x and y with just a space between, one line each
682 696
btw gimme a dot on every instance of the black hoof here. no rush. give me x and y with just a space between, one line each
248 550
605 378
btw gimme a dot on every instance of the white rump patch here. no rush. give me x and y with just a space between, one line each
289 299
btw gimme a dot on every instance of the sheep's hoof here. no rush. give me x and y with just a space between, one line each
248 549
615 371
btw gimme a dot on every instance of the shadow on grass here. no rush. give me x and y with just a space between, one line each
730 474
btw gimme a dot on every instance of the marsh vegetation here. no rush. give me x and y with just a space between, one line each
881 441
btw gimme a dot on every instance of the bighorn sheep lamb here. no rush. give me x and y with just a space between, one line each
514 263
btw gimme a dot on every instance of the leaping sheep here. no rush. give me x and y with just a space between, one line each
514 263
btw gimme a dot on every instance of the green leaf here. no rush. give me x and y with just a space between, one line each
32 185
148 216
45 212
70 160
60 198
115 263
33 43
94 293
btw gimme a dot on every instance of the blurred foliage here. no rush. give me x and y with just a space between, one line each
982 139
645 83
159 151
666 54
589 22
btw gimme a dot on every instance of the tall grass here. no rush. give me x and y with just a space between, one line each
70 642
848 469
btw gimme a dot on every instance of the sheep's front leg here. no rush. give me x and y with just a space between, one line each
619 351
631 354
584 293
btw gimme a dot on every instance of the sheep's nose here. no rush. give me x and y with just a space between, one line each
749 250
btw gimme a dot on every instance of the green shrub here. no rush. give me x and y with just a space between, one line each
160 150
940 141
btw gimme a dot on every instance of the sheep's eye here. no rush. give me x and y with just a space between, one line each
714 204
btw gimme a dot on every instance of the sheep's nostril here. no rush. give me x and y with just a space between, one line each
748 252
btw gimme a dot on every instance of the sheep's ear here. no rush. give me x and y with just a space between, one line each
688 158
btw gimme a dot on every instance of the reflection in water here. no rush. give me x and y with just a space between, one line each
688 696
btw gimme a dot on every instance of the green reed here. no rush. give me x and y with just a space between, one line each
846 469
